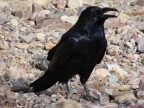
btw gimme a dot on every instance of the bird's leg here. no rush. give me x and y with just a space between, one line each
86 90
68 91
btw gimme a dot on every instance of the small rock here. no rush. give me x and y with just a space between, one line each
113 23
49 45
43 3
113 80
140 102
3 18
71 19
102 72
127 95
36 7
141 85
3 47
136 24
22 102
89 2
22 29
140 2
39 20
129 45
35 50
134 82
20 5
44 13
63 94
117 69
140 94
22 45
12 72
65 104
40 36
74 3
104 99
20 88
36 72
124 87
14 22
18 14
42 60
61 4
17 83
10 95
112 50
140 43
27 38
46 92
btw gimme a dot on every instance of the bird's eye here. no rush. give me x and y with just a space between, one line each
95 12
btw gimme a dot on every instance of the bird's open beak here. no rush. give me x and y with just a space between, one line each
107 9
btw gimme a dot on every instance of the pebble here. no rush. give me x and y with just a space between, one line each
12 72
140 43
40 36
22 45
14 22
61 4
113 80
27 38
74 3
127 95
49 46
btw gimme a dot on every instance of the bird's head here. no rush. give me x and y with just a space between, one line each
94 13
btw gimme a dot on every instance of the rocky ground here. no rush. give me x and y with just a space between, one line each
29 29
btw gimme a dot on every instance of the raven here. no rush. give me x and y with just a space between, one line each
78 51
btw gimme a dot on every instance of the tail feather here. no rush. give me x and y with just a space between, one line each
44 82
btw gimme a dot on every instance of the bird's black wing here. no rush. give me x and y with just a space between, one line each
101 56
51 53
62 52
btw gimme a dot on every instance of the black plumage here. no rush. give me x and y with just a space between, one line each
78 51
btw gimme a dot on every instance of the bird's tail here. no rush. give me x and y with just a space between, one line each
44 82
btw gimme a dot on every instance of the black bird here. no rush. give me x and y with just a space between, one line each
78 51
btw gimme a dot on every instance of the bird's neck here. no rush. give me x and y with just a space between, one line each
89 24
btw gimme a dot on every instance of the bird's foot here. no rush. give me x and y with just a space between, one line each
67 95
90 98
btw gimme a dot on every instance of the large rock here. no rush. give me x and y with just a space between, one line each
74 3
